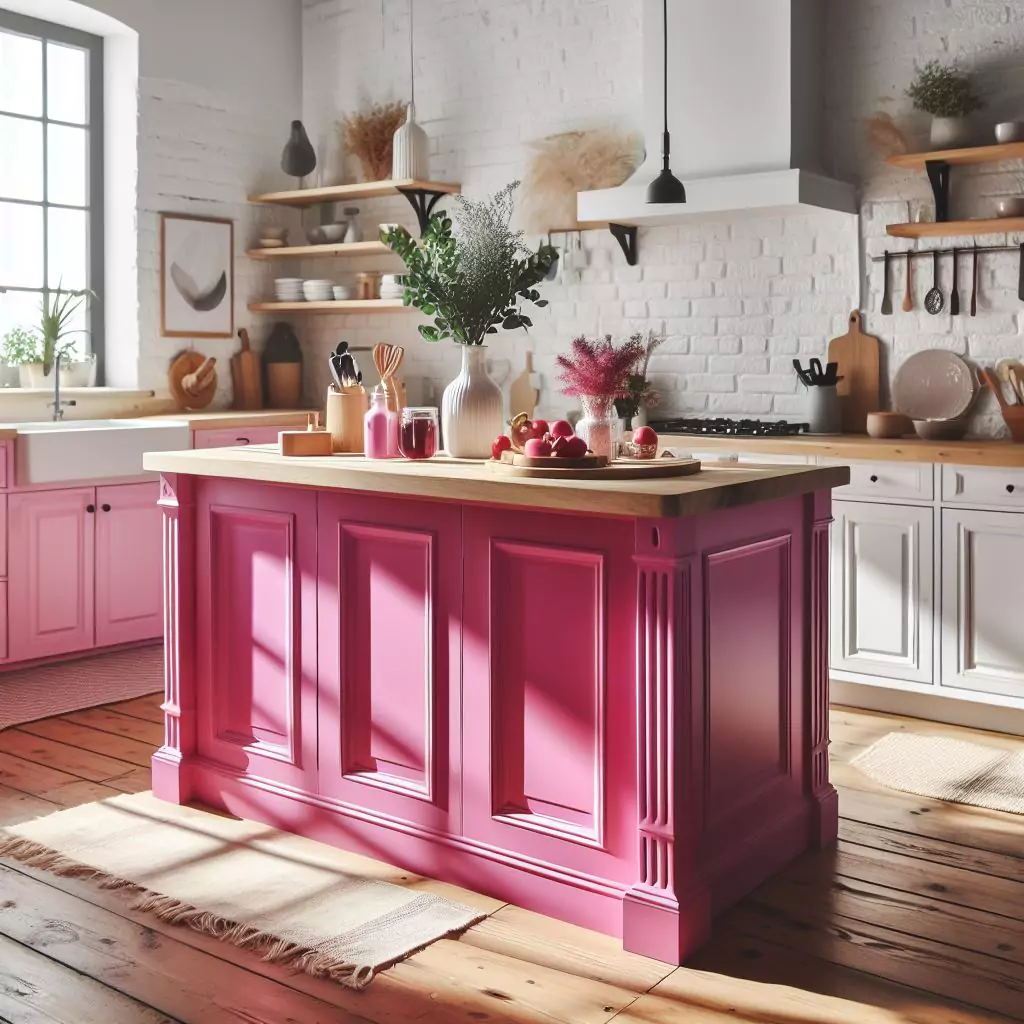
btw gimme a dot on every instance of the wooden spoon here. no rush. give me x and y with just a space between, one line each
908 295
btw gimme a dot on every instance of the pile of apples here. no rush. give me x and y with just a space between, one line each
538 440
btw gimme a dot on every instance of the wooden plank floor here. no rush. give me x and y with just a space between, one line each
917 916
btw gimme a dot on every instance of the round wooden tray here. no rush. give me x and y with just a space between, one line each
594 467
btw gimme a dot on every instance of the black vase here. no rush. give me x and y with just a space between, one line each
298 158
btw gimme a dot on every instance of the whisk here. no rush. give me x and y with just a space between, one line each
388 358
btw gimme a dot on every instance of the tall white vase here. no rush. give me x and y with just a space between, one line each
471 408
410 154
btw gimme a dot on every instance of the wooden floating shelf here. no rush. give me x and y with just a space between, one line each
313 251
346 306
972 155
951 228
360 190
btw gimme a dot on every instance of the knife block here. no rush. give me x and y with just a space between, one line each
345 413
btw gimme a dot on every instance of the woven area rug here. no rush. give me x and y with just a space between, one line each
27 694
946 769
296 902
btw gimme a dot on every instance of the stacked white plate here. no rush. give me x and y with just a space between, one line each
391 286
288 289
318 291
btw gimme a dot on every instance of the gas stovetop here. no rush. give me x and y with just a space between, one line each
732 428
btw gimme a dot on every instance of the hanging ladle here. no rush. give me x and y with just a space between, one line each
934 300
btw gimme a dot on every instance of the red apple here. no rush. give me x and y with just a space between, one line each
502 443
538 448
575 448
562 428
540 428
560 447
644 436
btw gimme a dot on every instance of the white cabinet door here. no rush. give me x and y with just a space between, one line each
982 599
882 594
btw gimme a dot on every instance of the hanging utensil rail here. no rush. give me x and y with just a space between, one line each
960 250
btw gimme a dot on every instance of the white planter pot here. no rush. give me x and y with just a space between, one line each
471 408
10 376
950 132
79 374
31 375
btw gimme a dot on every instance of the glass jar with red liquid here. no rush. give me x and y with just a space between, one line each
417 433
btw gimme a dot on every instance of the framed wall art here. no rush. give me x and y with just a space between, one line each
197 277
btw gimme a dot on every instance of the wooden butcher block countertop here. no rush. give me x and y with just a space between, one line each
711 489
972 452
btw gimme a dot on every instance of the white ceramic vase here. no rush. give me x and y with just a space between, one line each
950 132
471 408
410 159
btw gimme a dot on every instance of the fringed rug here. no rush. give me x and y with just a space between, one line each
296 902
28 694
945 769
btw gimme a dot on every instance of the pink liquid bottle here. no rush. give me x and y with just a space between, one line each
380 428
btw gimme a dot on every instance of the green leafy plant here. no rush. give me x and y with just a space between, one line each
20 346
58 309
476 280
638 390
943 91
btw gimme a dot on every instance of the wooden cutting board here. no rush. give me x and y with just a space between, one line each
648 469
858 355
245 375
522 395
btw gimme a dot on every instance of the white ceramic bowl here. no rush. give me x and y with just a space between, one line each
297 281
273 231
1010 206
342 293
333 233
1010 131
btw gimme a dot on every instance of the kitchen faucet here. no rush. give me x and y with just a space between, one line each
58 405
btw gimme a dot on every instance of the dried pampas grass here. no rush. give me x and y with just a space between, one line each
574 162
369 137
884 137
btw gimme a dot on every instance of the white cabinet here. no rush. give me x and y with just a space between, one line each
982 601
882 591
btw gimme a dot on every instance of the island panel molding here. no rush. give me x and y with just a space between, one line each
551 707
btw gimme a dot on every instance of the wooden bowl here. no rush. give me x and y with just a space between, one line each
941 430
888 424
1013 417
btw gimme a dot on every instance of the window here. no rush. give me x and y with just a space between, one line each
51 171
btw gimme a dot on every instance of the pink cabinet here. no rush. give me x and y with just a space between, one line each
129 570
256 630
51 560
390 576
238 437
549 731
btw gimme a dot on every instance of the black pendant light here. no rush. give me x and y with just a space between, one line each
666 187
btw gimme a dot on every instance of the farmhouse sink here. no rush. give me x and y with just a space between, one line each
47 453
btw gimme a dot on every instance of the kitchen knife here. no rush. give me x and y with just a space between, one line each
974 280
886 296
1020 286
954 297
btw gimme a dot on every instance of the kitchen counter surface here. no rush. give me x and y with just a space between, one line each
972 452
227 418
713 488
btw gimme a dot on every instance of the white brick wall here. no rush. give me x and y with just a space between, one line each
738 300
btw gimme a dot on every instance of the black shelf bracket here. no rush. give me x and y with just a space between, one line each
938 175
423 201
626 236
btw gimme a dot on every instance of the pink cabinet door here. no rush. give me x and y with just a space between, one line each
256 629
548 681
129 572
389 602
50 568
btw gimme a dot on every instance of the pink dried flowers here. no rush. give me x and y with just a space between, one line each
598 367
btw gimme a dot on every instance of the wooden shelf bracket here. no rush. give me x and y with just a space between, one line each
423 202
939 176
626 236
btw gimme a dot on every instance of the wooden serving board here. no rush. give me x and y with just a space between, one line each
857 354
624 469
545 462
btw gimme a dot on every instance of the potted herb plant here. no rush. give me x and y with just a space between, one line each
20 346
471 283
945 92
55 337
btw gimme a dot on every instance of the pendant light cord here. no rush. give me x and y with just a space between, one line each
664 76
412 60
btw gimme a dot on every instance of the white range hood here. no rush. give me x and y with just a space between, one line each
745 111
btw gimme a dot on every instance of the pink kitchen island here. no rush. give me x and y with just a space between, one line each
606 701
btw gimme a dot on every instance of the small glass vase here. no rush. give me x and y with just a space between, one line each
599 424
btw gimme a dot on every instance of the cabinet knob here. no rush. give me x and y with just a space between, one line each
242 440
1010 488
90 509
874 479
106 508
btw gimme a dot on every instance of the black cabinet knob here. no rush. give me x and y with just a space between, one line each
1010 488
242 440
90 509
106 508
874 479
